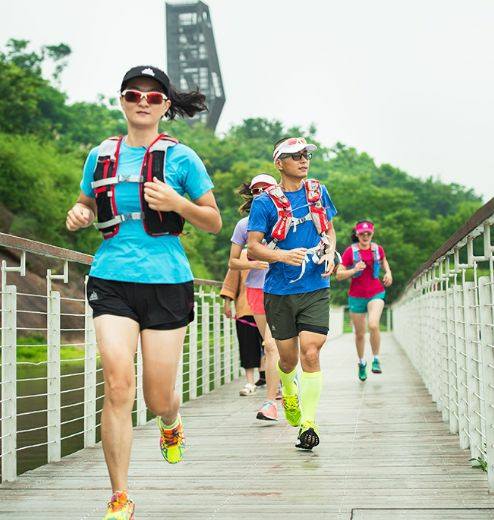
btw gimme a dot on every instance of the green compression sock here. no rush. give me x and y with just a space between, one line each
310 392
288 381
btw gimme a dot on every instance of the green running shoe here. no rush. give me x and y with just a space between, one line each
308 437
362 371
172 442
376 367
291 406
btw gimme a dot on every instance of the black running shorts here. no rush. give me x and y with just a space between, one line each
153 305
290 314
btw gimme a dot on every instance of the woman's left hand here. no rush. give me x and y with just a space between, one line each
387 279
162 197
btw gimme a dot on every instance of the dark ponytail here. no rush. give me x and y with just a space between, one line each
244 191
185 103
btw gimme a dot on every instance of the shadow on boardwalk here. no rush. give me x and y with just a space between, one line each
385 454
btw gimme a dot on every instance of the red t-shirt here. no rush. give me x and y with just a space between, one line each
365 285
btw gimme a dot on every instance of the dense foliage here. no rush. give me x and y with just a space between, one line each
44 141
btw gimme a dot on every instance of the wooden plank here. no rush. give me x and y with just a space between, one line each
383 445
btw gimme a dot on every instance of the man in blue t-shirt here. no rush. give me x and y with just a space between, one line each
296 290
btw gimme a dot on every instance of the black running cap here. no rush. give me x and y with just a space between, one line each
146 71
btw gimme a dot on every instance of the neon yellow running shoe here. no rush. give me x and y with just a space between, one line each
291 406
120 507
172 441
308 436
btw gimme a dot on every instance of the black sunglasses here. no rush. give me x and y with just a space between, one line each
297 156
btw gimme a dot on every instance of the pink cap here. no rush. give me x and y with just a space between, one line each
364 227
264 179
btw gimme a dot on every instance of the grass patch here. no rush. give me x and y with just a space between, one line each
33 349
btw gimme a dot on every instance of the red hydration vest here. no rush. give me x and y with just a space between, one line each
286 220
156 223
317 213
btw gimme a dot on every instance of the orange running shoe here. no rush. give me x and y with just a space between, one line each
120 507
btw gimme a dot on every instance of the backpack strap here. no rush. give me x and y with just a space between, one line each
356 258
313 195
285 215
105 172
376 267
157 223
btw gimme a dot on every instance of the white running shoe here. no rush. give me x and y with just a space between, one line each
248 389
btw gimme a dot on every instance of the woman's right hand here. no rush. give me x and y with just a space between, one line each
360 266
80 216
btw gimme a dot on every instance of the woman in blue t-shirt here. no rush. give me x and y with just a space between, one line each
140 283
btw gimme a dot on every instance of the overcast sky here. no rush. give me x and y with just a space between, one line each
411 82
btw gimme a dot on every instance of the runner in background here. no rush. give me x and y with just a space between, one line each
362 263
255 294
249 339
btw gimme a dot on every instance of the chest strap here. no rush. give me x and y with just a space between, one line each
118 219
116 180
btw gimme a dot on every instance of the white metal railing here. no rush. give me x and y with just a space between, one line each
51 401
52 388
445 322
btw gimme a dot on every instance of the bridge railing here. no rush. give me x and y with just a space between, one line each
445 322
51 376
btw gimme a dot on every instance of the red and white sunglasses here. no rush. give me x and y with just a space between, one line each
136 96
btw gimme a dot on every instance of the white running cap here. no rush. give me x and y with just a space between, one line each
264 178
293 145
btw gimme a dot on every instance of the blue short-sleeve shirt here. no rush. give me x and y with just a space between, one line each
132 255
281 277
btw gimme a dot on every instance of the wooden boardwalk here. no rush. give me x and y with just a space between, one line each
385 454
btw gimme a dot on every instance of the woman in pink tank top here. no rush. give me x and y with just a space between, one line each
363 263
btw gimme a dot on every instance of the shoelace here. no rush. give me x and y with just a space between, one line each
290 402
118 501
172 437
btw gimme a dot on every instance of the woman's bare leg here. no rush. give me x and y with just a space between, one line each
117 343
272 356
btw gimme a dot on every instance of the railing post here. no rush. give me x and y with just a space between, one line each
444 354
9 382
217 344
227 335
473 369
89 377
486 302
53 376
452 378
141 411
461 367
436 351
205 347
193 356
